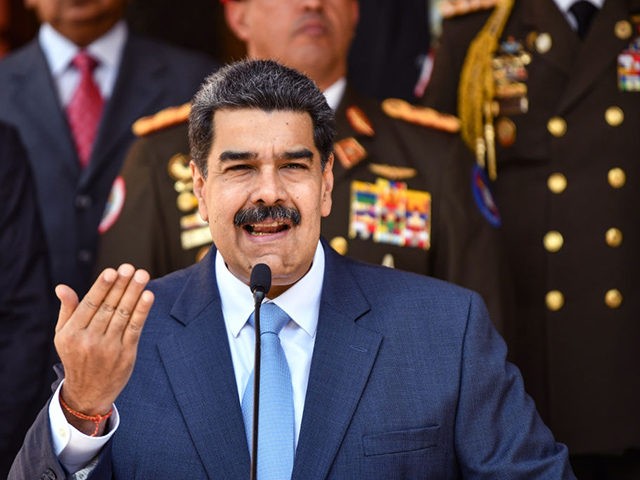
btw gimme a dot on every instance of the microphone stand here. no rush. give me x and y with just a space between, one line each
258 296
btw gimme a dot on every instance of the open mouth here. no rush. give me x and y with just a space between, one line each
266 228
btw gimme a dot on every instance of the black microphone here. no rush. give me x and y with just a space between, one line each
260 283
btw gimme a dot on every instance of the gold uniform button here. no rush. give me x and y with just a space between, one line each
617 177
557 126
557 182
553 241
613 237
340 245
554 300
614 116
613 298
543 43
186 201
623 29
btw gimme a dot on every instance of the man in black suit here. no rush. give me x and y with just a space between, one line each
132 75
26 324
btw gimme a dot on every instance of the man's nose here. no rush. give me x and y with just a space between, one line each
268 188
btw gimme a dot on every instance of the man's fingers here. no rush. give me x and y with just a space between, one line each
127 304
68 303
91 302
107 309
131 334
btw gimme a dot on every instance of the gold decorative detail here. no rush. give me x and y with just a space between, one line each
163 119
623 29
506 131
388 261
186 201
423 116
391 172
454 8
557 126
614 116
340 245
613 237
613 298
553 241
359 121
554 300
617 177
543 43
476 89
178 167
557 182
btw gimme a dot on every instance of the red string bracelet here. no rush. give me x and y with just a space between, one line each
96 419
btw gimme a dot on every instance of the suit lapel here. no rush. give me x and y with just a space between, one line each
199 366
35 95
343 357
598 53
139 85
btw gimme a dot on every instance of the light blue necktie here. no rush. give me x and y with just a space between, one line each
275 421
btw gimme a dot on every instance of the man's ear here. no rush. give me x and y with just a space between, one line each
327 187
235 15
198 190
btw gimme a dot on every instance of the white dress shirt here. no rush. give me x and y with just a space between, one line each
301 302
59 52
565 5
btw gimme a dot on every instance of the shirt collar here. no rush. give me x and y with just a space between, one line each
565 5
334 93
301 302
59 50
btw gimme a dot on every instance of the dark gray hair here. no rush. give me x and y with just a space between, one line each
260 84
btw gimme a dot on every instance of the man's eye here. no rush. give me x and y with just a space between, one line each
295 166
238 167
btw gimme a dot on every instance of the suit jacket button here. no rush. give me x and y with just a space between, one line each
48 474
83 202
554 300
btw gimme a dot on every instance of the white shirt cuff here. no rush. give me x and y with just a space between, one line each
74 449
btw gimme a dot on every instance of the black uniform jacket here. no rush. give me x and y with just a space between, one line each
567 187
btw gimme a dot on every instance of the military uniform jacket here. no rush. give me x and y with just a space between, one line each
567 187
159 228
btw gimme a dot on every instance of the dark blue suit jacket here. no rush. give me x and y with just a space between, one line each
408 380
26 302
152 76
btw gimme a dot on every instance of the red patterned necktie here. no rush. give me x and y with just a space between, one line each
85 108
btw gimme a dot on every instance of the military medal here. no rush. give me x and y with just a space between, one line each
388 212
629 58
510 76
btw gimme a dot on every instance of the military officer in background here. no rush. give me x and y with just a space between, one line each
550 100
404 193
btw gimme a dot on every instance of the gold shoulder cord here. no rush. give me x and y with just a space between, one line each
476 89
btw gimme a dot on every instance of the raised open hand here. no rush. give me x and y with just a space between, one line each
97 340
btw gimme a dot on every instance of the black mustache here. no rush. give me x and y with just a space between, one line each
261 213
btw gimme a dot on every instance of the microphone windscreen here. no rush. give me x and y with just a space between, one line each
260 278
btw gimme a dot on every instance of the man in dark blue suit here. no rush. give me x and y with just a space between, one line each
393 375
134 76
26 325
